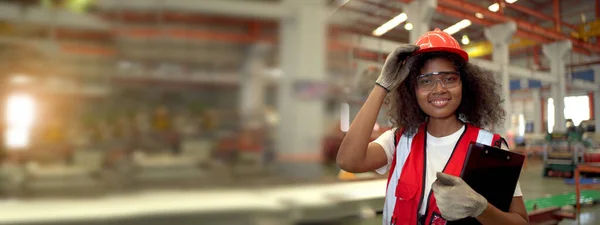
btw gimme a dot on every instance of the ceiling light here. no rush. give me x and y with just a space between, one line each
465 40
390 24
494 7
511 1
408 26
479 15
458 26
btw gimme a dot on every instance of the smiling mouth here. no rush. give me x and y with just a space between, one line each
439 102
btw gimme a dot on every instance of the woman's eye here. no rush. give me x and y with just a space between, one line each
451 79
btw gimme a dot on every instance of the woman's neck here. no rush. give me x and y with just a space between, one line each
441 127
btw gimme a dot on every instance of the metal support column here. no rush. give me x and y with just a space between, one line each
419 13
537 110
597 100
252 96
500 36
301 104
556 52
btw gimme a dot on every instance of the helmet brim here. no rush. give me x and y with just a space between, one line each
462 53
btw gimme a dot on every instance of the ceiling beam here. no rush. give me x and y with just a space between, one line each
538 14
382 7
520 33
253 9
520 14
522 25
394 32
36 15
367 13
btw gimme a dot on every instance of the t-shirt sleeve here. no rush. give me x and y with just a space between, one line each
386 140
518 192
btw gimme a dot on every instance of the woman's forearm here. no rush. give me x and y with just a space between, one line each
352 153
494 216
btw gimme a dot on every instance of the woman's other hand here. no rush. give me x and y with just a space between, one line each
455 199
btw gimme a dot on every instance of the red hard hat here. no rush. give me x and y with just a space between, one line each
439 41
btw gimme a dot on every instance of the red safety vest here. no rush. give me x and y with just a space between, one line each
411 185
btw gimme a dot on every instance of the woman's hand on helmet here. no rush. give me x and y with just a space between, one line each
395 69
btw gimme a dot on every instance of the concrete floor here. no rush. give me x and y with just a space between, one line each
532 183
533 186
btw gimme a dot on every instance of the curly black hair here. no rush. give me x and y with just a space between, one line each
481 103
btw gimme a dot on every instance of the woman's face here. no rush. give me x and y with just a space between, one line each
439 95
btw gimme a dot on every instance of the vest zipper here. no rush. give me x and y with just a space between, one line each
427 207
443 170
424 175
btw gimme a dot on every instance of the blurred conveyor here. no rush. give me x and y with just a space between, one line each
268 205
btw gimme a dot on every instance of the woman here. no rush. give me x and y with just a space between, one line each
439 102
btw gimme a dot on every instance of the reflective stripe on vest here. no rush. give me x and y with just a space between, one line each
410 187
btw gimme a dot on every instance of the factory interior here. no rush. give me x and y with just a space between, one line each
233 111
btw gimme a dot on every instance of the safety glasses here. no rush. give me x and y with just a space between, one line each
448 79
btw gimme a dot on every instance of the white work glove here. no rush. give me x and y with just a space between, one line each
455 199
395 69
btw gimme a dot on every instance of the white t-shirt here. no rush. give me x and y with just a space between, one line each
438 150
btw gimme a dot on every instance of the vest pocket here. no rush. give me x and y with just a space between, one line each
407 202
406 191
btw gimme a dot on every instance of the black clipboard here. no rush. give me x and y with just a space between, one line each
493 173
